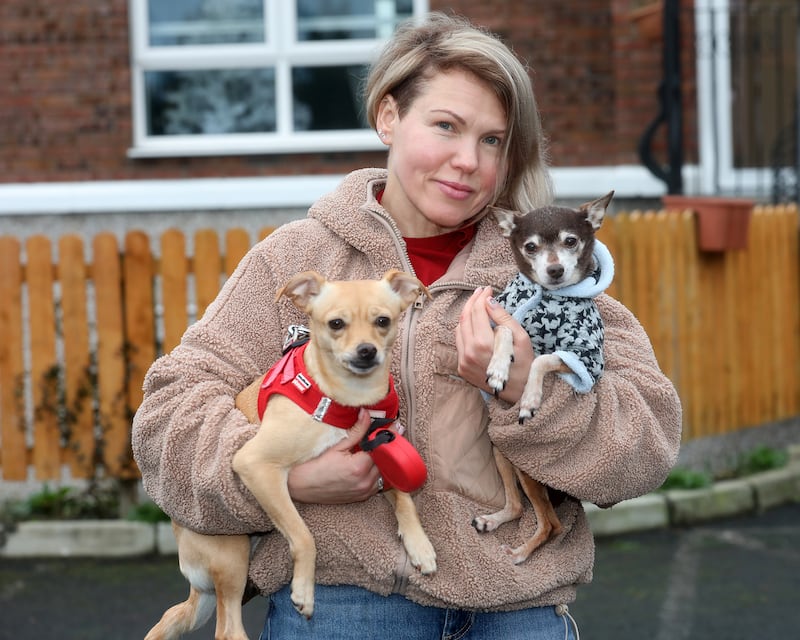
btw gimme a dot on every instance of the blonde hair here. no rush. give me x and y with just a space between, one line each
442 42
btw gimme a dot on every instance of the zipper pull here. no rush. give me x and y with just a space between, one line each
419 301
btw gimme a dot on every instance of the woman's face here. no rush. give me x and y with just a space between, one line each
445 154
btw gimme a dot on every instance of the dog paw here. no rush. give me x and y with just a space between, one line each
497 372
420 552
526 413
303 600
496 381
485 523
518 555
424 559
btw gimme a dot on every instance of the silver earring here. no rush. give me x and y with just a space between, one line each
381 134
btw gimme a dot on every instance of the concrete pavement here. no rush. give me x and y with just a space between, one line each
735 578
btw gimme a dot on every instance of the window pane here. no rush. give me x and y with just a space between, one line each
328 97
349 19
210 101
764 73
182 22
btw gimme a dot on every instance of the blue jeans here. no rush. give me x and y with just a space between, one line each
352 613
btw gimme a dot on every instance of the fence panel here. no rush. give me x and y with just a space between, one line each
44 372
13 449
78 388
725 328
174 269
112 416
207 268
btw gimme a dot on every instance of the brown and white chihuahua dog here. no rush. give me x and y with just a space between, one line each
561 268
353 325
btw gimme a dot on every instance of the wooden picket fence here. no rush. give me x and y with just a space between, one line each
77 335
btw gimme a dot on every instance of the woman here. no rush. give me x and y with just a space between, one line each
456 110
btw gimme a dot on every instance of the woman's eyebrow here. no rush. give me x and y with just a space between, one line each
455 116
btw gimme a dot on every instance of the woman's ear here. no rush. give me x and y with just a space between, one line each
387 118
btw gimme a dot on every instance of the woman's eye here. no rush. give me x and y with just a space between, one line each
337 324
445 125
493 140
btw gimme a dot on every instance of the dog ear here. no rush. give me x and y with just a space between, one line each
405 285
301 289
596 210
506 219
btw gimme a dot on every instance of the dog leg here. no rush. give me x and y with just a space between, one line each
513 506
547 523
502 357
409 529
531 398
210 564
268 483
229 570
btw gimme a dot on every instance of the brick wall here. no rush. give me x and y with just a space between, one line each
65 102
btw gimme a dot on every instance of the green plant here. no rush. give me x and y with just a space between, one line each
682 478
148 512
96 501
762 458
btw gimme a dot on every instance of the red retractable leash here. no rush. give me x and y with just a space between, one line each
399 462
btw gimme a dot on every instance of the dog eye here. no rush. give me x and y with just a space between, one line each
336 324
530 247
570 242
383 321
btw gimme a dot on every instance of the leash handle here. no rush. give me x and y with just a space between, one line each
399 462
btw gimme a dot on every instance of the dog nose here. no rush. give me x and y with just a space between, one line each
555 271
366 351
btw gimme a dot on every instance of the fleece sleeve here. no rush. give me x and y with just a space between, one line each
187 430
616 442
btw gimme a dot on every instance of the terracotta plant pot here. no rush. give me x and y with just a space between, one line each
649 21
722 223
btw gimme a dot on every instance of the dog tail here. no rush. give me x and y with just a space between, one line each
184 617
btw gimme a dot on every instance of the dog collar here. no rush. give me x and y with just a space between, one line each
289 377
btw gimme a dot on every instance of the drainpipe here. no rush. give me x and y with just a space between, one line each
670 107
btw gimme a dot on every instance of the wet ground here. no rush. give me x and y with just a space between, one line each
736 579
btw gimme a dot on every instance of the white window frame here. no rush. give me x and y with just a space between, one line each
716 172
280 51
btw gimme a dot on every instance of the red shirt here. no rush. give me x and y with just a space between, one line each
431 256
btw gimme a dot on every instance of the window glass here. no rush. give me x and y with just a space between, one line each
328 97
191 22
218 77
210 101
349 19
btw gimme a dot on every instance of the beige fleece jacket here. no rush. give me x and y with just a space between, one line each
614 443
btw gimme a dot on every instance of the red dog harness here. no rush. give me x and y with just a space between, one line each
398 461
289 377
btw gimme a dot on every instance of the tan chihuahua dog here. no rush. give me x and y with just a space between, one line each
551 297
353 325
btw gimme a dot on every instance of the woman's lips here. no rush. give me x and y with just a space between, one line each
455 189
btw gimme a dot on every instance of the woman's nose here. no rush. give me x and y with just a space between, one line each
466 156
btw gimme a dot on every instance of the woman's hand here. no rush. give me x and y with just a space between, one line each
475 343
337 475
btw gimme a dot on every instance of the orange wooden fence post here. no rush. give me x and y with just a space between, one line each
174 270
78 376
14 451
44 365
140 338
114 422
